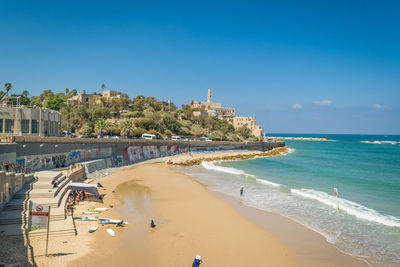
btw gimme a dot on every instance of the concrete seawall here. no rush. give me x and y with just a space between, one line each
35 153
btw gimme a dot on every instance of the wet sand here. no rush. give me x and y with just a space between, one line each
192 220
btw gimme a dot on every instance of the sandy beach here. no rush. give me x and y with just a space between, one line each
190 220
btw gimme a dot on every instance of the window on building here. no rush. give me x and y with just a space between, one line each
34 126
1 125
9 126
25 126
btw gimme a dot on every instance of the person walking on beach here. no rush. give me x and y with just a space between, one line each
241 191
197 261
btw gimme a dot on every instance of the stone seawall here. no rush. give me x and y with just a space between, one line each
10 183
190 160
35 153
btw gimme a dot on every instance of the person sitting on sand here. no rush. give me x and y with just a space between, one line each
197 261
152 224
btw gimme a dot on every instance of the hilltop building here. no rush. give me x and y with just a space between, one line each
213 108
112 94
83 99
240 121
18 120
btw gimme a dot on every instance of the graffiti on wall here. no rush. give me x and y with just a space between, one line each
139 153
45 161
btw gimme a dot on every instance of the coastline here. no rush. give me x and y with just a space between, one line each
307 247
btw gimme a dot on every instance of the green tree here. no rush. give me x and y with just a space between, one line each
66 91
68 110
24 100
8 87
103 86
127 127
244 131
101 125
171 123
86 129
55 102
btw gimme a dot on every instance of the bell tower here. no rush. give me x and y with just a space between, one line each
209 96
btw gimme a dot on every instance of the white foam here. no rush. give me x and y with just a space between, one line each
211 166
381 142
349 207
268 182
291 150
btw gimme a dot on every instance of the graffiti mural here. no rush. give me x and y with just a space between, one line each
139 153
62 159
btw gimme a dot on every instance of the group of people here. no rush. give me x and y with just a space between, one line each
12 167
73 199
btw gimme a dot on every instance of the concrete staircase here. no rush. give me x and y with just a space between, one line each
15 215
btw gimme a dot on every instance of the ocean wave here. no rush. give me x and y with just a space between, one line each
381 142
349 207
268 182
211 166
290 150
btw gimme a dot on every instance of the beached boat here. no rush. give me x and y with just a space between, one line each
93 229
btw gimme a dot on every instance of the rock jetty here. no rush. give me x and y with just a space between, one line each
190 159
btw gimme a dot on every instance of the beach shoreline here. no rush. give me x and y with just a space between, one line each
297 245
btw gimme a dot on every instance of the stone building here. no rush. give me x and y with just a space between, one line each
83 99
17 120
213 108
250 122
112 94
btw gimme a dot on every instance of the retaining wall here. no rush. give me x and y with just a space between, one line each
10 183
45 153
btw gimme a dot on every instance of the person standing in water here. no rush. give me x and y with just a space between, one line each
241 191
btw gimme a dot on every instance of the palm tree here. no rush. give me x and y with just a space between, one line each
8 87
25 93
103 86
66 90
101 125
68 108
127 127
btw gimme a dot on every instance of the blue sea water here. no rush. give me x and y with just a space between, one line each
364 168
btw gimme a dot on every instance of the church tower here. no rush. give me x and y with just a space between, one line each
209 96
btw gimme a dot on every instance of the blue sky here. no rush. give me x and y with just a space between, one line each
299 66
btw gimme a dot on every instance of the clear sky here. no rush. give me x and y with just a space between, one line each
299 66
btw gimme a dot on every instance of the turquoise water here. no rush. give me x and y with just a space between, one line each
364 168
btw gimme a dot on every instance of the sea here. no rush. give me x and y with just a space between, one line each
363 220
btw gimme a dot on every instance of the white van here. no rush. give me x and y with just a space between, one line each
149 136
176 138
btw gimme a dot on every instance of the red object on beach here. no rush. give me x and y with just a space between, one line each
335 191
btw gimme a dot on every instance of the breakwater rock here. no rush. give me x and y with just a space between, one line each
189 159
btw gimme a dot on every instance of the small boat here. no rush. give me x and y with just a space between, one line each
87 219
111 221
90 212
98 209
110 232
93 229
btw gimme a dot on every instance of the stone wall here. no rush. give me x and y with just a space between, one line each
10 183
